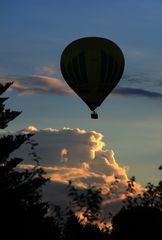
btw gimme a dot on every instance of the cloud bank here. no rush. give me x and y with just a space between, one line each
80 156
45 85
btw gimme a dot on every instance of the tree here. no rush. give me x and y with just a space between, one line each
88 203
23 214
5 114
76 229
141 215
140 222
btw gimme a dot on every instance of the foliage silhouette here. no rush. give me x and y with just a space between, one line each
87 203
140 222
23 214
5 114
75 229
141 215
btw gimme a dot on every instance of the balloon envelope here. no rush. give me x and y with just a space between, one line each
92 67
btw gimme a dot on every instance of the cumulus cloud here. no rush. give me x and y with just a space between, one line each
80 156
74 148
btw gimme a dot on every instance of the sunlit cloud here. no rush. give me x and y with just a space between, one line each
38 85
80 156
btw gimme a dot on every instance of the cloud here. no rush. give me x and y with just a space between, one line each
44 85
80 156
135 79
137 92
49 70
38 85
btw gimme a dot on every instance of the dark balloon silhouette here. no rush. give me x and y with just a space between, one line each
92 67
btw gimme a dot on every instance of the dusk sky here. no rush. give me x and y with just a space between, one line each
33 36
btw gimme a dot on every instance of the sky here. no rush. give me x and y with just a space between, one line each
33 35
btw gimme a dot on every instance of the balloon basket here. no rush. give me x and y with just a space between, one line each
94 115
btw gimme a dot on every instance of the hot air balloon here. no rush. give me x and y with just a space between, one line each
92 67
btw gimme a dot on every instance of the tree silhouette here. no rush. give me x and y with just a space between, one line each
23 214
5 114
141 215
87 203
140 222
75 229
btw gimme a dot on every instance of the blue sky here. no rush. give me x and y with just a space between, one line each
33 36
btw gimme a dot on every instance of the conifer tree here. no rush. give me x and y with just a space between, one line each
23 214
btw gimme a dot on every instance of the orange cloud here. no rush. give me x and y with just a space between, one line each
38 85
82 157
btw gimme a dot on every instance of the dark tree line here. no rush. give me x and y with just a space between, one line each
24 215
141 215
